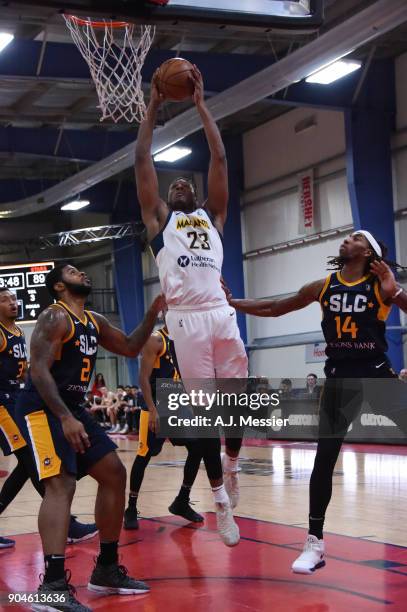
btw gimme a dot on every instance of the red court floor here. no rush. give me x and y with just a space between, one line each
188 569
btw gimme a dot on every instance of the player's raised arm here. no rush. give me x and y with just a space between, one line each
46 343
218 190
116 341
151 350
390 291
275 308
153 208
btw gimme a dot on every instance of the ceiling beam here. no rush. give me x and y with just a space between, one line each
26 101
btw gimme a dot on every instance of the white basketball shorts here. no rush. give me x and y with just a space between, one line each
207 342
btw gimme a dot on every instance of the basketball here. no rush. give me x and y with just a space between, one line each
174 79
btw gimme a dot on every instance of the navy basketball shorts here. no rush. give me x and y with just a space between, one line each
45 437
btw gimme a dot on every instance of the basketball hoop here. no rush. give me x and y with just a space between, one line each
115 52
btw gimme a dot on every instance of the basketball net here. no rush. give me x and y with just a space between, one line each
115 52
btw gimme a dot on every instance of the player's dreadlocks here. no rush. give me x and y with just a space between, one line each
337 263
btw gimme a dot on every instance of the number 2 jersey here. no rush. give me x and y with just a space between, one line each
189 255
13 360
353 318
73 367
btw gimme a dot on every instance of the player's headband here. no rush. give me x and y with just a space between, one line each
371 240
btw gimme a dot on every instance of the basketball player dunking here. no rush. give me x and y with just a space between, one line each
66 442
158 361
355 302
186 239
13 366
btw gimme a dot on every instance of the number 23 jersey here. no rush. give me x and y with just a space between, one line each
189 255
353 318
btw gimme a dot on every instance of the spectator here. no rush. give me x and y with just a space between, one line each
403 375
312 390
99 382
286 389
110 405
97 409
133 410
88 401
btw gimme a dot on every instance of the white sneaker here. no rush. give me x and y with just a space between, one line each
231 482
124 430
311 558
227 528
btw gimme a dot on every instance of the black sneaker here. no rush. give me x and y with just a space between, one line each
7 543
78 532
66 593
131 518
113 579
182 507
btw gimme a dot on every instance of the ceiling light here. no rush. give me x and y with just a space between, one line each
172 154
333 72
5 39
75 205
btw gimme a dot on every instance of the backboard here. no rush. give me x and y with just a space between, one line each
263 14
256 13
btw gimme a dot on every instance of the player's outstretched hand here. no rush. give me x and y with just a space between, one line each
75 433
159 304
386 277
156 98
226 289
198 95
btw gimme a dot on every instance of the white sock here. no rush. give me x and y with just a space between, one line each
231 464
220 495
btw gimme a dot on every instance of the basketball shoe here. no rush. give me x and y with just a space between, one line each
311 558
58 596
7 543
227 528
113 579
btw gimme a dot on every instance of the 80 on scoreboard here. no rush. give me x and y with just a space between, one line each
27 281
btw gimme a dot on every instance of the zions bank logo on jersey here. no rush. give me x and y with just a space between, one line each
88 345
20 351
339 303
183 222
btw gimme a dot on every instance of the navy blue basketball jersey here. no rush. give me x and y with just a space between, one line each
13 359
165 365
353 318
73 368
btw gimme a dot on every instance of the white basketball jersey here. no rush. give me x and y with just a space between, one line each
189 256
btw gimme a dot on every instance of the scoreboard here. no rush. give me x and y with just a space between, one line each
27 281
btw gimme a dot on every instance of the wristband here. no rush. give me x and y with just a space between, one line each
397 293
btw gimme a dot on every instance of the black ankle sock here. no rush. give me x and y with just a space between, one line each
108 553
54 567
316 526
184 492
133 501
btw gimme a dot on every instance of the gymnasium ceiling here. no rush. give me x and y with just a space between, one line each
56 92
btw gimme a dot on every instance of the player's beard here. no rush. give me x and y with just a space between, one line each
78 289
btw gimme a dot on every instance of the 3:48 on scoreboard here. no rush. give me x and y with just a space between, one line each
27 281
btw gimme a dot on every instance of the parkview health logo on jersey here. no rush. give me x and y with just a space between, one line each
197 261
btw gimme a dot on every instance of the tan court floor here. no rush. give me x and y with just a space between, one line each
369 491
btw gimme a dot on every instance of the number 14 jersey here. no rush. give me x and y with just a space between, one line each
353 318
189 255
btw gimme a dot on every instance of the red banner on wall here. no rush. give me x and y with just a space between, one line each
307 204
